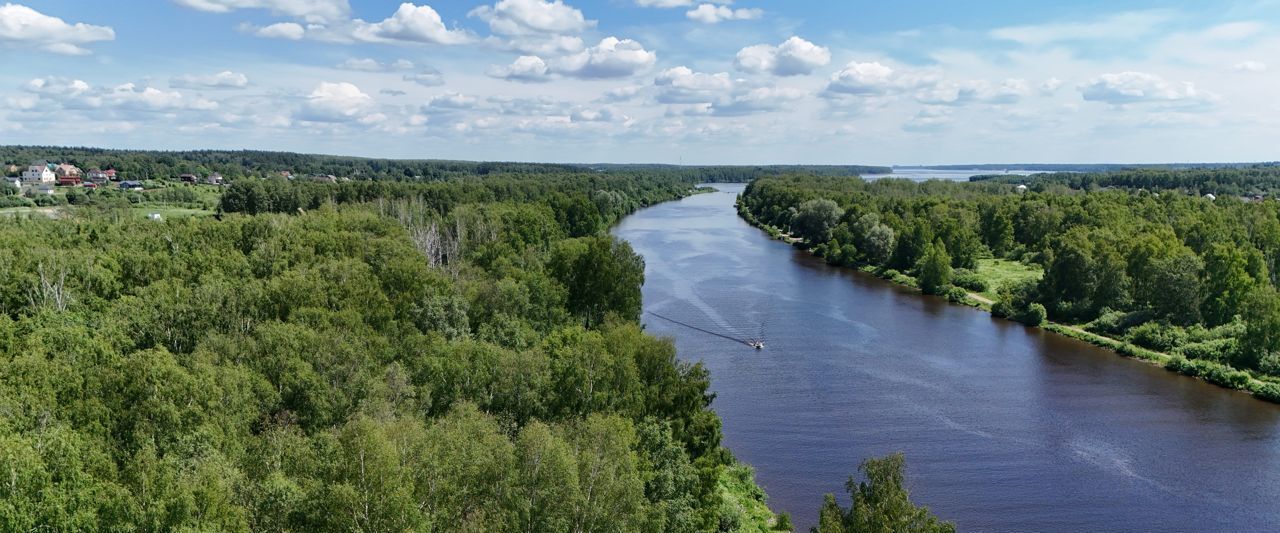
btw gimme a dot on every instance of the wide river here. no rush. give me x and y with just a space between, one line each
1005 428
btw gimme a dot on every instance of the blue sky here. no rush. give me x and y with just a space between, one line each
694 81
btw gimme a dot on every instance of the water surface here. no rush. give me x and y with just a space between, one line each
1005 428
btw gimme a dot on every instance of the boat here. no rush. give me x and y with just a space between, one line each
757 345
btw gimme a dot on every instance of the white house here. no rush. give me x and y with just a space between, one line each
15 182
39 174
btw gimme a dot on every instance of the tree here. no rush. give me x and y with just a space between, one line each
1226 283
881 504
815 220
934 269
603 276
1261 338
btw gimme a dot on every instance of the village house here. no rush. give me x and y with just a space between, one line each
39 173
321 178
189 178
70 180
111 174
67 170
13 182
98 176
131 185
214 179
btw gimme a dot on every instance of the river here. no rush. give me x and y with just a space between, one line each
1005 428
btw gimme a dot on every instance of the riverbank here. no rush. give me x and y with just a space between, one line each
1265 388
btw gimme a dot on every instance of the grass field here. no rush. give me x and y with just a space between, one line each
998 272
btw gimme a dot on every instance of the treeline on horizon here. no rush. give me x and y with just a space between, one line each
1166 271
442 356
232 164
1241 180
1089 167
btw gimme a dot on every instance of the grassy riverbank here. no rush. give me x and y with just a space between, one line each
997 273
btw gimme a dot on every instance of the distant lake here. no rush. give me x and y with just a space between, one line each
925 174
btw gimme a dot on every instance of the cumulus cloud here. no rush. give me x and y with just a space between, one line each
756 100
524 68
681 85
622 94
222 80
21 26
713 14
1050 86
1250 66
410 23
450 102
793 57
540 45
864 79
675 3
373 65
970 92
525 17
612 58
76 94
335 102
428 77
309 10
281 30
1141 88
928 119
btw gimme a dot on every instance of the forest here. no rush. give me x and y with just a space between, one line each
1229 180
430 357
1179 278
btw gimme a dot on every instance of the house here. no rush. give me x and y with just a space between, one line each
67 171
39 173
69 181
1022 189
213 179
131 185
45 189
189 178
323 178
15 182
98 176
1210 197
111 174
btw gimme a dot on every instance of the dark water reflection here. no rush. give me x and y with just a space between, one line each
1005 428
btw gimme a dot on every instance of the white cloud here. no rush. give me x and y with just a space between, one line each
1050 86
540 45
222 80
713 14
410 23
429 77
309 10
866 79
525 17
793 57
970 92
21 26
1122 26
1250 66
449 102
675 3
756 100
121 99
928 119
373 65
681 85
1139 87
335 102
524 68
282 30
612 58
622 94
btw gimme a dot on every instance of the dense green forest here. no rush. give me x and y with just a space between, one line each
1178 274
232 164
1245 181
439 356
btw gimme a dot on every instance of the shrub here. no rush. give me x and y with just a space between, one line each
783 523
1034 315
1270 364
890 274
963 277
1268 391
1158 336
957 295
1217 350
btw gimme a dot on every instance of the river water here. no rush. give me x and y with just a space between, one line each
1005 428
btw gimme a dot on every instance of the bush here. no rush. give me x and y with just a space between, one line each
1118 322
1268 391
783 523
1158 336
890 274
14 201
1270 364
1217 350
1034 315
957 295
963 277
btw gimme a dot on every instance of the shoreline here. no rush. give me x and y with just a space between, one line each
1217 374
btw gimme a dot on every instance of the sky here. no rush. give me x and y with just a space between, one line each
661 81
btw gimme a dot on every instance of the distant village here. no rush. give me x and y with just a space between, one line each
44 177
